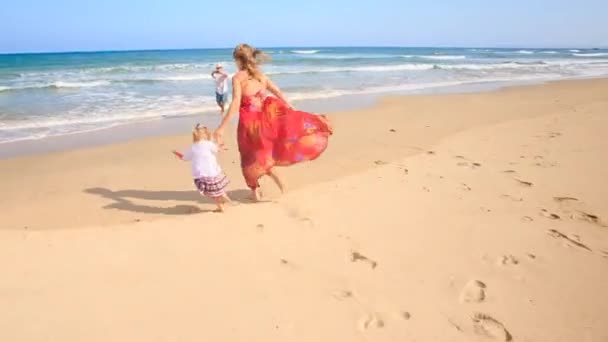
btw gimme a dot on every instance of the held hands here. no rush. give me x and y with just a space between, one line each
218 136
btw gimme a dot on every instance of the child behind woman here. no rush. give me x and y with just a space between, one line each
208 176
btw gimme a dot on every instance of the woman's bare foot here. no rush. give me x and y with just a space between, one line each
255 195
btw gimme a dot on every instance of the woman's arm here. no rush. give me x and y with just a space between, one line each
276 91
234 107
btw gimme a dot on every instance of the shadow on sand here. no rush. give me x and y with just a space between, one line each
123 200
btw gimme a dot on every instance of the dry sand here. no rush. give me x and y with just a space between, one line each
473 217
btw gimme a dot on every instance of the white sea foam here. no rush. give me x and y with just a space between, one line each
599 54
549 52
305 52
61 84
436 57
446 58
55 85
87 119
574 50
525 52
369 68
177 78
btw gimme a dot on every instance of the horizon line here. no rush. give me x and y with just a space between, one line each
292 47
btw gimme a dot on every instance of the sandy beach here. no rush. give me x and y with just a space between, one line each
458 217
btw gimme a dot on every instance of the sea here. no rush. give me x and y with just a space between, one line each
53 94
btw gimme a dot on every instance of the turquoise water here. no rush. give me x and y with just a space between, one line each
55 94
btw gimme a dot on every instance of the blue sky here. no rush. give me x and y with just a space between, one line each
70 25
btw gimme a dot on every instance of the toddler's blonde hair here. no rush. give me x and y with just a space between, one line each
200 133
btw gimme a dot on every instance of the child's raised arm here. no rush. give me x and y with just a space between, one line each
178 155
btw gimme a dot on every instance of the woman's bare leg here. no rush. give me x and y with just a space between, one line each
278 181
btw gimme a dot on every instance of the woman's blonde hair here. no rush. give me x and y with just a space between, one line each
200 133
249 58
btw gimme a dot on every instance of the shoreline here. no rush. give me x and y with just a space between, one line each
170 126
108 182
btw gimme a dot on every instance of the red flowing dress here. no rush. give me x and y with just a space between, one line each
272 134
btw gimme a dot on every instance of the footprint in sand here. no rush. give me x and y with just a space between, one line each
545 164
342 295
370 321
356 257
380 162
295 214
511 198
487 326
507 260
565 199
405 315
469 165
568 240
527 219
473 292
524 183
465 187
583 216
549 215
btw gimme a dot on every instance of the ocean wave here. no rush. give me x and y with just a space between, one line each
305 52
549 52
525 52
56 85
125 115
529 65
441 58
331 93
506 65
120 69
175 78
371 68
598 54
321 57
574 50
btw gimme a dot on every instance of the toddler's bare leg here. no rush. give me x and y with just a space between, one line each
219 201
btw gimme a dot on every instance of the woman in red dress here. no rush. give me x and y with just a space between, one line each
270 131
